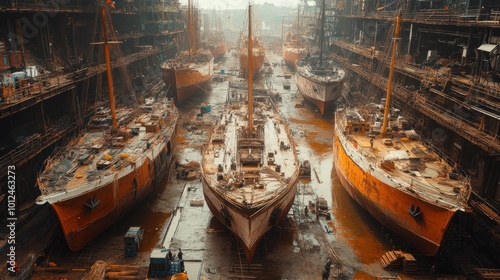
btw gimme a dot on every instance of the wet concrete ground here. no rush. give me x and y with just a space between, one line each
297 249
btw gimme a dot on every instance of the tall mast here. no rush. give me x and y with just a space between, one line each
190 40
298 20
322 33
194 28
190 30
249 70
108 71
391 75
282 30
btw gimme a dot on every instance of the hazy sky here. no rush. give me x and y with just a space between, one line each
237 4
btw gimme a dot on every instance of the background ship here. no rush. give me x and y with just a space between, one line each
249 167
293 48
98 178
218 47
394 175
187 74
216 41
257 57
321 85
318 80
190 71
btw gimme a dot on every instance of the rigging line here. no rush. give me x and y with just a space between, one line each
199 87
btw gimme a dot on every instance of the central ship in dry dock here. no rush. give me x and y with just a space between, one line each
97 178
389 170
249 167
190 71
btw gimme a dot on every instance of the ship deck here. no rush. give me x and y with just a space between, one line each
248 170
188 61
402 160
97 154
328 73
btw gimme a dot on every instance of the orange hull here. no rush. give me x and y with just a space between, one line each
185 82
80 224
390 206
257 62
291 56
219 51
91 186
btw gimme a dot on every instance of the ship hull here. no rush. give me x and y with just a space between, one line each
253 192
84 216
186 82
322 94
219 51
389 205
291 56
249 224
257 62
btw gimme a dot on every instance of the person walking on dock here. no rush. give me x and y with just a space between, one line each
169 255
179 255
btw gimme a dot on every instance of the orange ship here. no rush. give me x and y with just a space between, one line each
98 178
258 55
292 50
216 44
219 50
250 167
399 180
189 72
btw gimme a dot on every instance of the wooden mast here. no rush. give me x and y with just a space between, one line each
282 30
322 33
249 70
190 43
108 71
383 131
298 20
